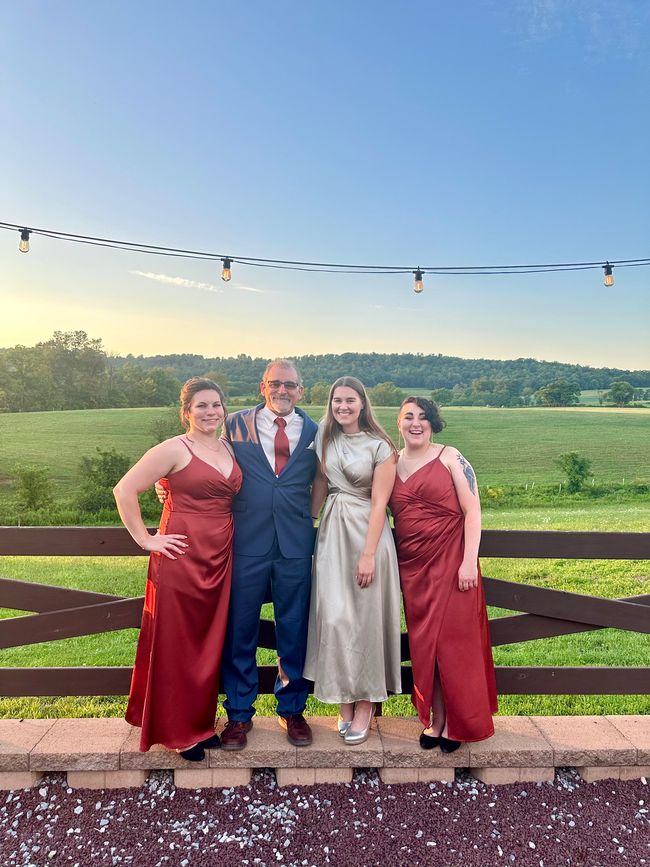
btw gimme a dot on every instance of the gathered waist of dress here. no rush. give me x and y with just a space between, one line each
362 495
422 513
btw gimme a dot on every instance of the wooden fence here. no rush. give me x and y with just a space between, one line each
65 613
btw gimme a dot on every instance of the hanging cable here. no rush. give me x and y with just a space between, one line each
323 267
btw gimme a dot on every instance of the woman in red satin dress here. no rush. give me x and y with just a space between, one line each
437 515
175 684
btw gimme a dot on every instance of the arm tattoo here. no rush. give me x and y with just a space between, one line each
468 472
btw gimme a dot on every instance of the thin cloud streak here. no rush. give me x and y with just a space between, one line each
249 288
177 281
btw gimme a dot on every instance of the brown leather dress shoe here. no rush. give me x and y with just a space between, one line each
233 737
297 729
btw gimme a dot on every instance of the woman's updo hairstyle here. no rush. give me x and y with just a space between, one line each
430 409
190 388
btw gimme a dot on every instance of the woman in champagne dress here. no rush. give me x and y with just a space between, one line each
175 683
437 516
353 646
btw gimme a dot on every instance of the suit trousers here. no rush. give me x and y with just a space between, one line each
290 583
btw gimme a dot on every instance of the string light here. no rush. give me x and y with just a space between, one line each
326 267
226 272
609 277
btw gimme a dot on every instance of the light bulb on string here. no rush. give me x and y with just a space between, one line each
419 283
226 273
609 277
24 241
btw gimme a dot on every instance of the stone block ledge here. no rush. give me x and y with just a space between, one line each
103 753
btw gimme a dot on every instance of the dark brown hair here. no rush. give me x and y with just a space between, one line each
367 420
430 409
190 388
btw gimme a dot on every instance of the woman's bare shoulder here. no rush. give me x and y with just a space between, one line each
174 447
448 454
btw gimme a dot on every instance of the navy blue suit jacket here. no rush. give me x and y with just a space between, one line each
268 505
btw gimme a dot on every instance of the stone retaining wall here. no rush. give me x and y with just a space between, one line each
103 753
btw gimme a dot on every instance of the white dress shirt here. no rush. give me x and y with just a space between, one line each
267 429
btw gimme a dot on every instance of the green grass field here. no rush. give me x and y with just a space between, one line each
505 446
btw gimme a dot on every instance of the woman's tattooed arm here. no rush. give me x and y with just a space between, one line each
468 472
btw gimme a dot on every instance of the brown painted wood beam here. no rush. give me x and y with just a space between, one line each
511 680
115 541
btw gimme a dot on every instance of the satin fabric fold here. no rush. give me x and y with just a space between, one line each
447 628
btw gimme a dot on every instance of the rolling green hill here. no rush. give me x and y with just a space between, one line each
506 446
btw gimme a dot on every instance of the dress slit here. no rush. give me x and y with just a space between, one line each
429 532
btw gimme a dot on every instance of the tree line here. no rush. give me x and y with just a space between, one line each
406 370
73 371
500 391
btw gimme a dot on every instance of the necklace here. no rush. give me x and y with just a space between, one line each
196 443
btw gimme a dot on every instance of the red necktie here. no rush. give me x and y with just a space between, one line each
281 445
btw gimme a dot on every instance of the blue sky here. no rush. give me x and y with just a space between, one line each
369 132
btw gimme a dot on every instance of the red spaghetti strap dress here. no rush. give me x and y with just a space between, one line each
175 683
447 628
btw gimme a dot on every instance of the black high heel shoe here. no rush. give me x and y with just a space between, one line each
428 742
211 743
449 746
193 754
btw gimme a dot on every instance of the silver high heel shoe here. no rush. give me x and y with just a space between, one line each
343 725
359 737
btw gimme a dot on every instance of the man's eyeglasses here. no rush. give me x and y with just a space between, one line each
276 383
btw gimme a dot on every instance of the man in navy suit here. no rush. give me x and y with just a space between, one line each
274 541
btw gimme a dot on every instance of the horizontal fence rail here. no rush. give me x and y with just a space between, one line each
69 613
116 542
511 680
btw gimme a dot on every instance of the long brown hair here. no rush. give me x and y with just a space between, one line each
367 420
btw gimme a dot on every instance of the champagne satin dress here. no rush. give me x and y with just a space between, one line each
353 645
175 683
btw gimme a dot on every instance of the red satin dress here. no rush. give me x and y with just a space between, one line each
447 628
175 683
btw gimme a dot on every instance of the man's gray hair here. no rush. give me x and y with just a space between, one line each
283 362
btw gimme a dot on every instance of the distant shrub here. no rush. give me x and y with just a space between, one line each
597 492
33 487
92 498
99 476
385 394
150 506
576 469
165 426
